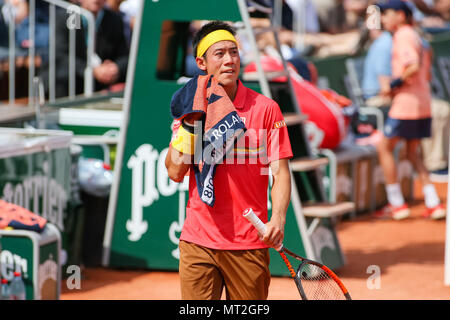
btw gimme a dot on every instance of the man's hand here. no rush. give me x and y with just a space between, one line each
274 233
385 86
107 72
191 118
178 163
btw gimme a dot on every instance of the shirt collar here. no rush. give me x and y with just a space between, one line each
239 99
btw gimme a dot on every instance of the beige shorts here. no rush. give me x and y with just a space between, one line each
205 272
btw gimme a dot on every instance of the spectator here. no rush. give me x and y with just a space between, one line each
306 13
299 16
41 33
333 37
442 7
111 51
116 5
130 9
355 12
3 31
410 114
332 17
19 10
113 4
438 18
377 67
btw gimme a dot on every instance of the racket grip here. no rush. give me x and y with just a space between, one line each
257 223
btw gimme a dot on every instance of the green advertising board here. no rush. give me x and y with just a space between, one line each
441 66
37 257
147 210
17 255
35 173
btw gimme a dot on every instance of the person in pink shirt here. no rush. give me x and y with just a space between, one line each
409 117
218 247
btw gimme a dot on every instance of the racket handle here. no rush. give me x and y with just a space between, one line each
257 223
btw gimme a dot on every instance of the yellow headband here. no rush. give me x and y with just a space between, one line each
213 37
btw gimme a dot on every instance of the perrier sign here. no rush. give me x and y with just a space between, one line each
35 173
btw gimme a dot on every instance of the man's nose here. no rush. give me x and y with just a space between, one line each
227 59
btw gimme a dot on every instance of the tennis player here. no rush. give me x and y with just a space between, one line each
218 248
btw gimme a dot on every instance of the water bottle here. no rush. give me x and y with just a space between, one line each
17 287
5 293
95 177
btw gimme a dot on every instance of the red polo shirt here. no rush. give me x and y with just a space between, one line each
241 181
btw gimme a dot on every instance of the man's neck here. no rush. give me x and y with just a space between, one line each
231 91
399 26
95 13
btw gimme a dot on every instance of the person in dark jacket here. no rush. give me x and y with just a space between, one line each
110 59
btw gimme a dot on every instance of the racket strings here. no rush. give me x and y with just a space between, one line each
317 284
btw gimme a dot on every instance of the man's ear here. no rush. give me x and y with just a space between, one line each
201 63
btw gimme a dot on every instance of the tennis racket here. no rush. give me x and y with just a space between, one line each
314 281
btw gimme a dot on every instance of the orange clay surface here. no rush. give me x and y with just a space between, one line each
409 253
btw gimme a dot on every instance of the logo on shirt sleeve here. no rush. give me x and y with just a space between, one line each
279 124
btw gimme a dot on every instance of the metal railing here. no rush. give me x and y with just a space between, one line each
88 72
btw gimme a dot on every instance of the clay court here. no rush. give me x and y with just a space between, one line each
404 251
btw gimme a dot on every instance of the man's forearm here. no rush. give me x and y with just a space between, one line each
281 196
410 71
177 164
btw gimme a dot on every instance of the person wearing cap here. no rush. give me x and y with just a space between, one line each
218 247
409 117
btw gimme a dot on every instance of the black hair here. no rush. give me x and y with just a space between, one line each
408 16
208 28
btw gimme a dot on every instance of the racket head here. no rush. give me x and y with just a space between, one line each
317 282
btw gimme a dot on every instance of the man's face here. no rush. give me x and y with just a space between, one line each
222 61
93 5
390 19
